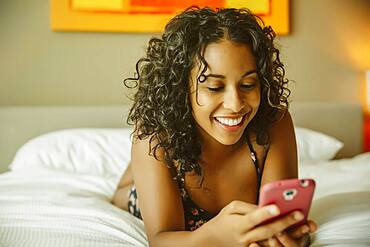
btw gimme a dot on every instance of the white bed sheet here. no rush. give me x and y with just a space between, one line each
338 176
54 208
341 205
48 208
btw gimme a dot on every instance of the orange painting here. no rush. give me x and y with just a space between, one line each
151 15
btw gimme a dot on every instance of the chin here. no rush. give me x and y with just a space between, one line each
229 141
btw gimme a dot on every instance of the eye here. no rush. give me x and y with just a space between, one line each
214 89
248 86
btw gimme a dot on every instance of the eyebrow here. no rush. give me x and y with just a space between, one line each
223 77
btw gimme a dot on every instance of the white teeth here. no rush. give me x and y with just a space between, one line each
229 121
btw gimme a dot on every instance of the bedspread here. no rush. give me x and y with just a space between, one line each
54 208
58 209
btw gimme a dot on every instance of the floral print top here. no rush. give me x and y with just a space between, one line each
195 216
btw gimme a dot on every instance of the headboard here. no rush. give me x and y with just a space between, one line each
20 124
341 120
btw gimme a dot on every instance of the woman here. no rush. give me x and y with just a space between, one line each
211 127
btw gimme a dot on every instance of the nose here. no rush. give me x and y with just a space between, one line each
233 100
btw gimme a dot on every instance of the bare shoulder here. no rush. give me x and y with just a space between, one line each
282 127
281 159
158 194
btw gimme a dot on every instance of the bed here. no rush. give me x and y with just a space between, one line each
61 166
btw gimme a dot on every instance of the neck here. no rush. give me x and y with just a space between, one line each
214 153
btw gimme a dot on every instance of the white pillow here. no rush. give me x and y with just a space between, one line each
101 152
316 146
107 152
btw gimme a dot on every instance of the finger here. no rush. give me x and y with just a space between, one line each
264 243
267 231
274 242
258 216
309 227
254 245
300 231
239 207
312 225
286 240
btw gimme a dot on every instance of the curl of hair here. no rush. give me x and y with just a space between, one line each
161 109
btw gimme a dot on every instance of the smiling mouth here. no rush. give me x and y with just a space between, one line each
231 122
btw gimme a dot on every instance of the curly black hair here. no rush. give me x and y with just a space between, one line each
161 109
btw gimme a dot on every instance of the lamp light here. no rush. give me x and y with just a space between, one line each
367 114
368 91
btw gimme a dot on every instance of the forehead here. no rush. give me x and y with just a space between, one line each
226 57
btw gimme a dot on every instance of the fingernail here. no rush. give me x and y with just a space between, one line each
305 229
298 216
273 210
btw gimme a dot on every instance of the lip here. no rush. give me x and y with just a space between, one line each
232 128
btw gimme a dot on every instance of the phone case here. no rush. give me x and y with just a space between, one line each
289 195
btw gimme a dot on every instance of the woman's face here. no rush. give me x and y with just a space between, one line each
229 98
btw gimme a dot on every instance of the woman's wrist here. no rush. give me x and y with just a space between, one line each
206 235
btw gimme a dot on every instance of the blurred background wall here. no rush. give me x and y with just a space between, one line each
326 54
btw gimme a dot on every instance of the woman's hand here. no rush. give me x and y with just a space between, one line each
237 224
298 237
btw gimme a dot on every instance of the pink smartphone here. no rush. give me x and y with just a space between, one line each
289 195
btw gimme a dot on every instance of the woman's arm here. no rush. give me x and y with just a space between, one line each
281 159
159 199
162 238
120 198
282 163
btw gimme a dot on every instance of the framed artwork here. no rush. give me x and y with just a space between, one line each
151 15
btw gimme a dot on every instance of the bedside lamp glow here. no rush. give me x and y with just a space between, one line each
368 90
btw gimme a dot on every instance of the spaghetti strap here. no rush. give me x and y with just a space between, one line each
255 163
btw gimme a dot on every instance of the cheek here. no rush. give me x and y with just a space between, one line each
202 109
253 99
257 97
204 101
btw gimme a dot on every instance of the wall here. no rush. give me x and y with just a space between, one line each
42 67
325 55
329 50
